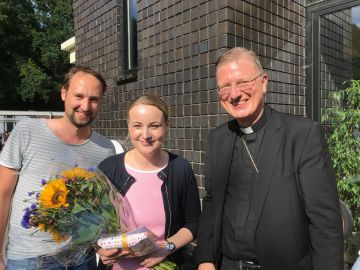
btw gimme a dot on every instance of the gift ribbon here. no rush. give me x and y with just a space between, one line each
124 242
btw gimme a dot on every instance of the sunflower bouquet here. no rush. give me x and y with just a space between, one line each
77 207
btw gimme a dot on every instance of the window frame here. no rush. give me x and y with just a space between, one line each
313 73
130 47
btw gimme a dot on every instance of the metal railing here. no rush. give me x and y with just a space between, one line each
8 119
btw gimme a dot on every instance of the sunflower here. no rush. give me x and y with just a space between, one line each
78 174
58 237
41 227
54 194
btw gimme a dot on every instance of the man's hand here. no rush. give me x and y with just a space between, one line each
110 256
206 266
2 263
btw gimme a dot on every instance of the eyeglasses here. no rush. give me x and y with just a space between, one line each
224 90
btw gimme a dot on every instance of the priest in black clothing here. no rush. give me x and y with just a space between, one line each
271 200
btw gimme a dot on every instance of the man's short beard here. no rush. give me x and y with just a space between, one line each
80 125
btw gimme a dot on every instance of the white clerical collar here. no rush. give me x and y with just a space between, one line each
256 126
247 130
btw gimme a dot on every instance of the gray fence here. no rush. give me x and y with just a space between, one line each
8 119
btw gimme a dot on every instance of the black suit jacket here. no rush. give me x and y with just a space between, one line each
299 224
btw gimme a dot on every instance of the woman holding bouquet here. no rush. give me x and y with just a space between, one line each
159 186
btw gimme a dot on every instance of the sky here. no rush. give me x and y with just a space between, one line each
356 15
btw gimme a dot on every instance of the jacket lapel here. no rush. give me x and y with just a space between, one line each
225 148
269 152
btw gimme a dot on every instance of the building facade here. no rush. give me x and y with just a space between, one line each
169 48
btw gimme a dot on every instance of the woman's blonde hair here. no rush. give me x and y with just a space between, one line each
152 100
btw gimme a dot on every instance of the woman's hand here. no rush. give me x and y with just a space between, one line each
111 256
156 257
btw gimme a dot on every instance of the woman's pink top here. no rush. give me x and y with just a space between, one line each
146 201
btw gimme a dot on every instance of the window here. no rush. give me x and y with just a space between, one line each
129 43
131 35
334 52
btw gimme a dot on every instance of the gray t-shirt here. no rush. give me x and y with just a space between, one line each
37 154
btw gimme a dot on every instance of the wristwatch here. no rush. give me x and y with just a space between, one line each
170 246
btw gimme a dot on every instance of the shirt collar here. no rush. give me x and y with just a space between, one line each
257 126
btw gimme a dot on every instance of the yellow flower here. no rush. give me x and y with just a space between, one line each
54 194
41 227
58 237
77 174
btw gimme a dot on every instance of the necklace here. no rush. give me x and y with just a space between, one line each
251 157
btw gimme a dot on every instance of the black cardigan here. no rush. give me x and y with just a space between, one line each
179 191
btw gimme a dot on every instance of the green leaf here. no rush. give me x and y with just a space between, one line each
77 208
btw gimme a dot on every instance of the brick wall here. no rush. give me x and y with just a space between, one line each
178 44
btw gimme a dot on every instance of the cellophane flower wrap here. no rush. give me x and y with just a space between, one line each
76 206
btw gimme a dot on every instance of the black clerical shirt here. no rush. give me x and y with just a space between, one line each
238 224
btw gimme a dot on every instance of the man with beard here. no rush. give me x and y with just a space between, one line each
39 148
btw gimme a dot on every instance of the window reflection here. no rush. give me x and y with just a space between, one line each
339 52
130 16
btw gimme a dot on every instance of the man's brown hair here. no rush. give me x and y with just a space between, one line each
74 70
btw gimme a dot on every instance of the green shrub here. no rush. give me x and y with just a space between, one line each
344 145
